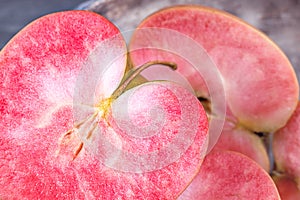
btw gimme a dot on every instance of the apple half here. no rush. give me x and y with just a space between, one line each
244 141
287 187
72 129
286 147
230 175
260 84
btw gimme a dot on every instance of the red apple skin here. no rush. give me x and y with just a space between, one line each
260 84
287 187
38 76
245 142
286 146
230 175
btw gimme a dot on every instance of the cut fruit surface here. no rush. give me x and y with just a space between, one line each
287 187
260 84
245 142
56 79
193 64
230 175
286 146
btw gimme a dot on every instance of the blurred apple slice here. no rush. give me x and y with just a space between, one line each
287 187
230 175
246 142
260 84
286 147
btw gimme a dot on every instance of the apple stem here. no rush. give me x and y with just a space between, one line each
132 74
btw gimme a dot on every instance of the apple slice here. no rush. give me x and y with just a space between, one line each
146 138
230 175
286 146
39 69
66 131
287 187
197 62
245 142
260 84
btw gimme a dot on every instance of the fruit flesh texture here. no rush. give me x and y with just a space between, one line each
286 145
245 142
230 175
198 59
287 187
260 83
38 73
41 67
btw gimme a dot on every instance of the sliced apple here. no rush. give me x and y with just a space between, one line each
245 142
230 175
286 146
198 64
260 84
287 187
64 131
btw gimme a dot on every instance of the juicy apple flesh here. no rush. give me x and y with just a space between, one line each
286 147
69 131
200 71
230 175
242 140
287 187
260 84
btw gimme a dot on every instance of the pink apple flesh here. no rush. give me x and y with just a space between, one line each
245 142
287 187
230 175
48 85
286 146
260 83
183 53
